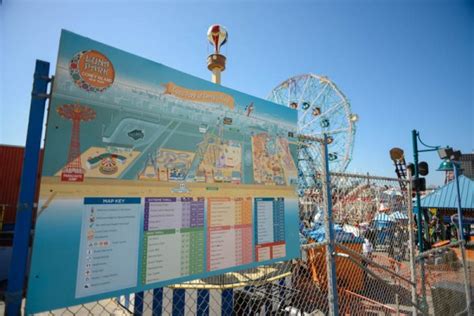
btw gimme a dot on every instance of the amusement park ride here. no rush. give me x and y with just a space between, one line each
324 115
323 110
322 107
398 158
323 143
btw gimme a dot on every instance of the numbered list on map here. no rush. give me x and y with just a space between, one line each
270 232
229 236
173 238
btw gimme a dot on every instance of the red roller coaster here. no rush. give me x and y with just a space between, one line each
76 113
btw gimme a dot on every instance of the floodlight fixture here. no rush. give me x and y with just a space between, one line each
449 153
445 153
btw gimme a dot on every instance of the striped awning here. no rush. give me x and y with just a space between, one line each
383 217
398 215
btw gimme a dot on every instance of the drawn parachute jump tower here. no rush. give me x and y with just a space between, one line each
76 113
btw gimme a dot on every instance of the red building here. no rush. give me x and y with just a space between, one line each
11 162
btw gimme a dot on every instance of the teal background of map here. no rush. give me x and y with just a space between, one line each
133 96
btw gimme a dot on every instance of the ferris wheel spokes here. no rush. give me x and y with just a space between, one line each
329 133
322 109
313 102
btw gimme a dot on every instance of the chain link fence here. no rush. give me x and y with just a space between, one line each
378 261
378 270
447 280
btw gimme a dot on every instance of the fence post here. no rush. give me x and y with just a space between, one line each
411 240
24 213
462 246
467 281
329 232
420 223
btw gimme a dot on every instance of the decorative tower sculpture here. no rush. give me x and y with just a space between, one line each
217 36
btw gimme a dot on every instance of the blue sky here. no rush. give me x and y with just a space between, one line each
402 64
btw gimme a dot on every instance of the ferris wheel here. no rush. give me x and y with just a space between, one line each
322 109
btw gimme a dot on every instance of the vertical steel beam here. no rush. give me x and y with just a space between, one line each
458 201
467 284
411 239
329 232
25 207
416 176
414 135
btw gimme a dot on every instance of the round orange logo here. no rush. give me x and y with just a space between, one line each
92 71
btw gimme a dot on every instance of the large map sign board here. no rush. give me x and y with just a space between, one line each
153 177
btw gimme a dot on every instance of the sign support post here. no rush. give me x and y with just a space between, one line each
25 207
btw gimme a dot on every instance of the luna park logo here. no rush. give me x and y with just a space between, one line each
92 71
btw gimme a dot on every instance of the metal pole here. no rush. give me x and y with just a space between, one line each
329 232
21 238
414 135
397 299
411 240
416 177
216 76
463 244
458 198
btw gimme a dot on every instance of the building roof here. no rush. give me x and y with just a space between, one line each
445 196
